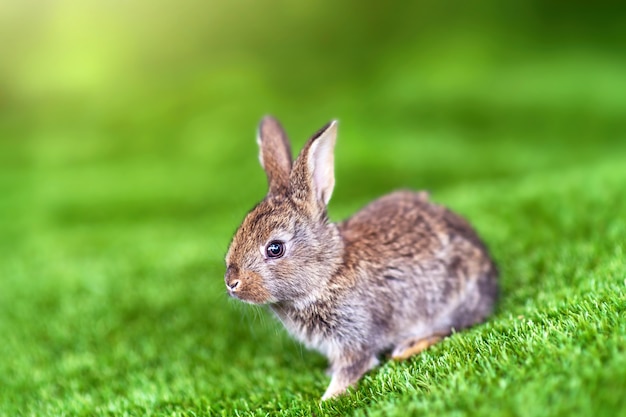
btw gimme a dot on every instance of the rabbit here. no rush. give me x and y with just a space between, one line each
396 277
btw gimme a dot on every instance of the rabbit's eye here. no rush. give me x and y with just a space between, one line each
275 249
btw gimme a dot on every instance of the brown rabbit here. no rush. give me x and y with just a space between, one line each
397 276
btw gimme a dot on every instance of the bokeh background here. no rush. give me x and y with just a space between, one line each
127 160
114 99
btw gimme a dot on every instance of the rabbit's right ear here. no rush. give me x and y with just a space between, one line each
313 174
274 154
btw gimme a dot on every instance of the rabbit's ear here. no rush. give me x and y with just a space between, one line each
274 153
313 175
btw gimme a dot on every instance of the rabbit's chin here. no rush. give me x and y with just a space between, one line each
256 296
263 297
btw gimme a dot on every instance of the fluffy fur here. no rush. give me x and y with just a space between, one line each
396 277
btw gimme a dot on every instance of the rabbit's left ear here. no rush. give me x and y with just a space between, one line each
274 154
314 170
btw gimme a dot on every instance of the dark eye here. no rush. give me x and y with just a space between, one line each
275 249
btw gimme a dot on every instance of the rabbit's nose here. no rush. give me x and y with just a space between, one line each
232 282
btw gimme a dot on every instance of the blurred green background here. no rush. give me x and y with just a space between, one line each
127 160
122 111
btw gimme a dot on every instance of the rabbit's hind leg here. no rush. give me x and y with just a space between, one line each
415 345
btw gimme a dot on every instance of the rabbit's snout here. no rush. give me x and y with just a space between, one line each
231 277
245 285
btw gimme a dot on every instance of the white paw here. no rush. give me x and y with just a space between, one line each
334 389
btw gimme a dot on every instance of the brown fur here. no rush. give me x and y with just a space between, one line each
399 273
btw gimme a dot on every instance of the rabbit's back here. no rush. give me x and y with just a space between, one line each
419 264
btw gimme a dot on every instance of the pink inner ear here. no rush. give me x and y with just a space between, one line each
324 180
321 163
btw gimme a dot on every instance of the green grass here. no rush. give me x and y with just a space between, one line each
113 302
118 202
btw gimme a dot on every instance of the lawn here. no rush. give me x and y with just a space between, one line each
118 202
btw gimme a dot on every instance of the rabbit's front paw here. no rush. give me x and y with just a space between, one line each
347 374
